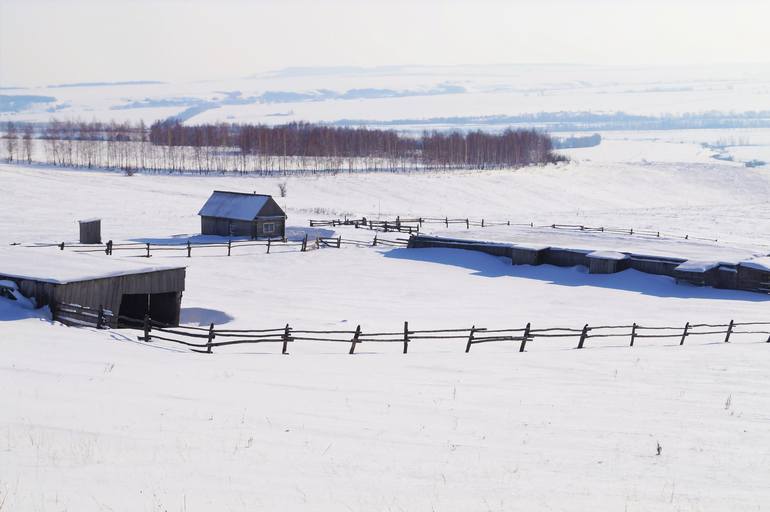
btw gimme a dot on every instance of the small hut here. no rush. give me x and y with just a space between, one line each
241 214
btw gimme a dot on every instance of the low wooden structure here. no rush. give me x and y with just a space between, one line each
240 214
751 275
128 289
90 231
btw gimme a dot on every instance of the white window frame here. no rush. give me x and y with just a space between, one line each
268 228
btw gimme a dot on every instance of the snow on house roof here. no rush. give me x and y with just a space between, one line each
234 205
51 265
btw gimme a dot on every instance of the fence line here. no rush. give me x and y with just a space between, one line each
414 224
146 248
204 340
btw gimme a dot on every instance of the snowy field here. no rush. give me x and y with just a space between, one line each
405 92
96 420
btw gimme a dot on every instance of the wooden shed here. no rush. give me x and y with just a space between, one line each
125 287
242 214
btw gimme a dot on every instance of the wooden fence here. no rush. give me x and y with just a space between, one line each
414 224
81 316
146 249
205 340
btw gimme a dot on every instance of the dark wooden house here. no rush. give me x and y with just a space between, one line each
242 214
126 288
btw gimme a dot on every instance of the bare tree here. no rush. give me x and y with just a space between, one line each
27 142
11 140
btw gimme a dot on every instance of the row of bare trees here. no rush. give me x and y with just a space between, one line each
170 146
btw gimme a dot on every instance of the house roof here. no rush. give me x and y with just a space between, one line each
234 205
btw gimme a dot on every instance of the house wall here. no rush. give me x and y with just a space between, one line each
226 227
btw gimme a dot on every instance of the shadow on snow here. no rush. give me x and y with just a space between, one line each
485 265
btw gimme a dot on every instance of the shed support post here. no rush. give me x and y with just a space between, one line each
147 328
583 336
355 341
684 334
524 338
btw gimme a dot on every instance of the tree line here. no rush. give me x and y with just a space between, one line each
247 148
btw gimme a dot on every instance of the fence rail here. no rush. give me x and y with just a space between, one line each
82 316
414 224
201 339
145 249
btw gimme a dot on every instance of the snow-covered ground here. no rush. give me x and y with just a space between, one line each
407 92
96 420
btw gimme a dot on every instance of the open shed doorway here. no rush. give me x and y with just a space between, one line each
162 307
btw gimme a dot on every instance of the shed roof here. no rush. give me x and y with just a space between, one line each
234 205
50 265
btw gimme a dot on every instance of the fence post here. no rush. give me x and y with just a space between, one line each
147 328
108 248
684 334
470 340
211 337
374 244
729 331
482 223
285 349
446 221
61 246
406 337
100 317
583 336
268 246
355 341
229 246
148 249
633 334
398 223
189 249
526 335
339 241
304 243
467 224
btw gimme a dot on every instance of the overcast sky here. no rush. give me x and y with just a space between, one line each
46 41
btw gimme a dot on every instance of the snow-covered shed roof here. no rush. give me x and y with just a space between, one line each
234 205
50 265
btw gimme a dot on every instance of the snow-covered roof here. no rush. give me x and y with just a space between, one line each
607 255
697 266
234 205
762 263
50 265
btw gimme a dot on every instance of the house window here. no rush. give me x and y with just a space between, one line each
268 228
